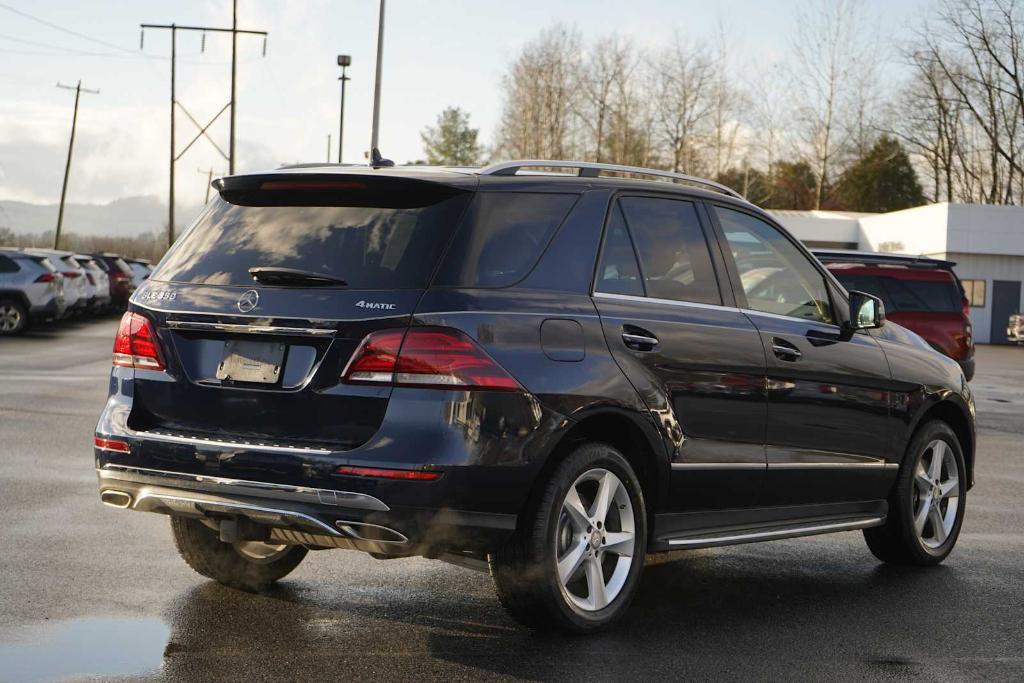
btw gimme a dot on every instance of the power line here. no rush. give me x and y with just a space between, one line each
57 27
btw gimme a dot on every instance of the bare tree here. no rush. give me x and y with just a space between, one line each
607 67
978 47
541 95
682 78
831 55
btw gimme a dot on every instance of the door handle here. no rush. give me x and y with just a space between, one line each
784 350
638 339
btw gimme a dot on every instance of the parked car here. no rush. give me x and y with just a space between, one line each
922 294
98 280
141 268
31 289
544 375
76 287
120 275
1015 329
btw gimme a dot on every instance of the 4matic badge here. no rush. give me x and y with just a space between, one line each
376 305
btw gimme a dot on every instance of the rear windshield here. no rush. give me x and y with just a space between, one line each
375 246
929 296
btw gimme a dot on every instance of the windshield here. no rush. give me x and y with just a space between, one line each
369 247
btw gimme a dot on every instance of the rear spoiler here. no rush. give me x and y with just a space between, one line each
884 259
333 189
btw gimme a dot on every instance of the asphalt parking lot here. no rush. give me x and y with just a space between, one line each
86 590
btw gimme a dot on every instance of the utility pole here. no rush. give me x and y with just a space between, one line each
209 182
174 156
67 167
344 61
376 81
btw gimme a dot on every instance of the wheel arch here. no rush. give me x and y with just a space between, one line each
16 295
958 419
637 440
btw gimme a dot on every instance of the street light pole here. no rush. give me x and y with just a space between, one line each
344 61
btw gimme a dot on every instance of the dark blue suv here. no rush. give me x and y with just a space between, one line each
545 374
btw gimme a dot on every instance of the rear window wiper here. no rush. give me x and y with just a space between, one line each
272 275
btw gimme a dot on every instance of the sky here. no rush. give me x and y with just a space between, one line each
437 53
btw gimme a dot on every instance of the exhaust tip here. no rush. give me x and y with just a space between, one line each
116 499
363 531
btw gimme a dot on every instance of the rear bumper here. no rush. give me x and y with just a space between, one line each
303 515
54 308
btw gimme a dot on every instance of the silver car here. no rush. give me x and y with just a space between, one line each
31 288
99 280
76 286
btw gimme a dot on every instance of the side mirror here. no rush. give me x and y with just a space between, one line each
866 312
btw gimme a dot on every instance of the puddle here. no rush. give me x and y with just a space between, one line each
93 646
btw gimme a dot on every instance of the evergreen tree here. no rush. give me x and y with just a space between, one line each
451 142
881 180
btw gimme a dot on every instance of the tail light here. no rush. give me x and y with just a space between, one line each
135 345
967 307
105 444
119 275
47 277
434 357
90 278
70 274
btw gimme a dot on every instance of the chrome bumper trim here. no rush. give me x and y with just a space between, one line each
198 441
250 329
241 487
154 502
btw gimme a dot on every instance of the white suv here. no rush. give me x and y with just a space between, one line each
31 288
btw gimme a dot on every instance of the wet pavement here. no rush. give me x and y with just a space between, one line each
88 591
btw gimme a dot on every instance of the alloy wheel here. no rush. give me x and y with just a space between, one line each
936 494
260 552
10 318
594 540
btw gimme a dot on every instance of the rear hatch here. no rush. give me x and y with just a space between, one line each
928 301
260 305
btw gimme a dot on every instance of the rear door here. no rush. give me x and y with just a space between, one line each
694 358
828 436
259 358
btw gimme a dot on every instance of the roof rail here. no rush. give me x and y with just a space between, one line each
589 169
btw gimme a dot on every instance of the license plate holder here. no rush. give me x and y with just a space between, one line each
247 361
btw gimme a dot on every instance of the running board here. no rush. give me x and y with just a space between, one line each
777 532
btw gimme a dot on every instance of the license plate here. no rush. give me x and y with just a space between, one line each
245 361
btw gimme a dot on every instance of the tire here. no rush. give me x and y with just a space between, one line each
526 570
902 541
238 565
13 318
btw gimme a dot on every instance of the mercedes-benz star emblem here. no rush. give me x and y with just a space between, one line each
248 301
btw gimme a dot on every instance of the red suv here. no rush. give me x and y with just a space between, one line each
922 294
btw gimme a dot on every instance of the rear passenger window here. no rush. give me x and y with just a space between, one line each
502 238
618 272
8 265
673 252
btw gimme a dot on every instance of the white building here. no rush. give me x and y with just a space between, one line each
986 242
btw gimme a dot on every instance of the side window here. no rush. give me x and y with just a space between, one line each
502 238
776 276
618 272
8 265
674 256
